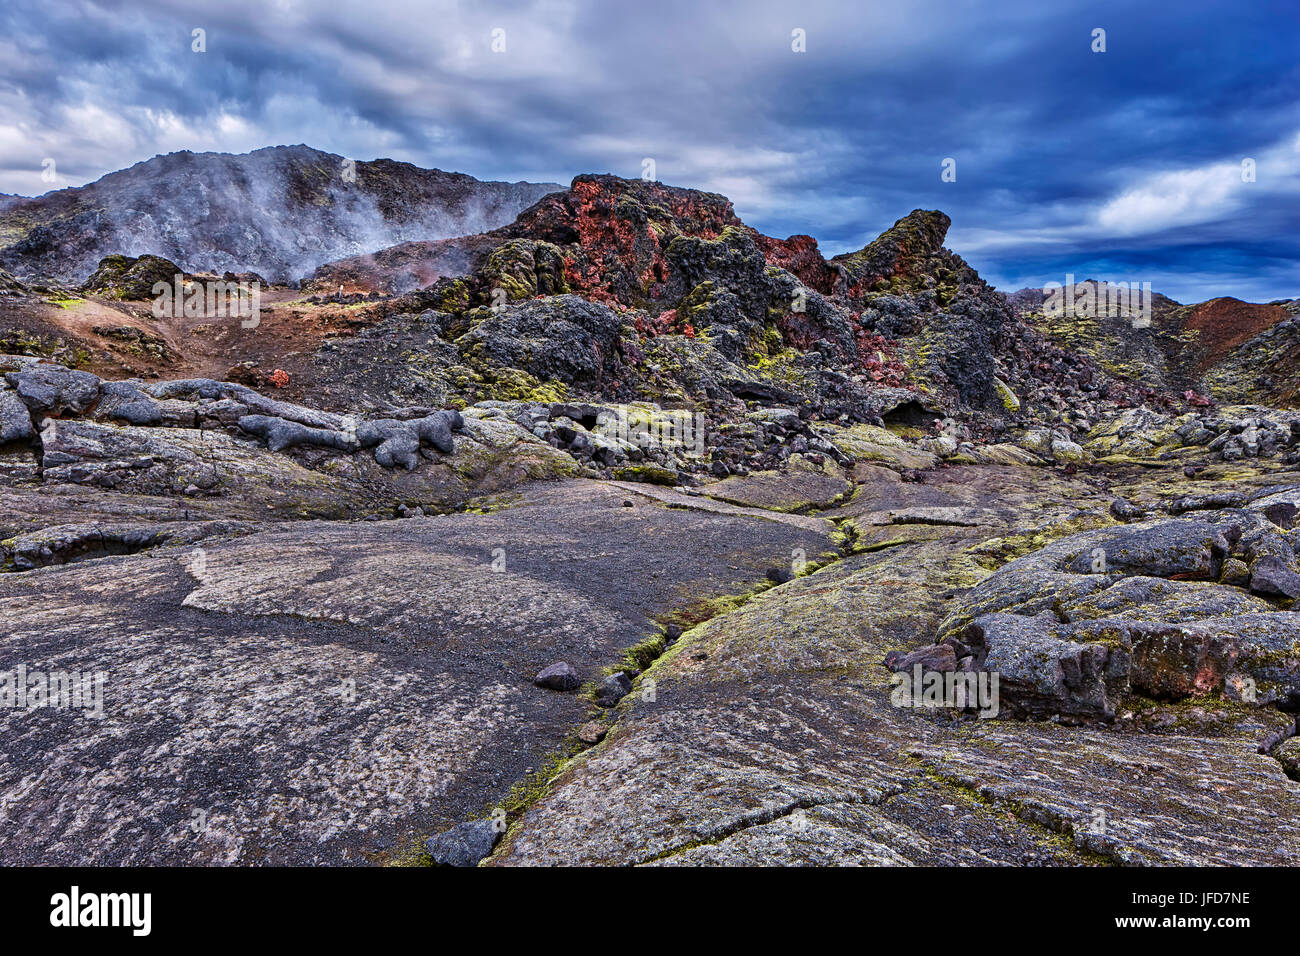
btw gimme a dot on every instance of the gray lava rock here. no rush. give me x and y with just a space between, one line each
15 419
401 450
562 337
205 389
281 434
436 431
1124 510
1282 513
558 676
1192 548
1043 675
399 442
53 388
455 421
613 689
465 844
126 402
1270 575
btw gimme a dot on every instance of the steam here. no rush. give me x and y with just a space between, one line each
280 212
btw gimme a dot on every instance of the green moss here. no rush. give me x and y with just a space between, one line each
642 654
699 610
491 504
411 852
481 381
528 791
697 303
995 552
524 268
451 296
649 474
1009 400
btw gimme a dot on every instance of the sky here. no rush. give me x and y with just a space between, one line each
1127 164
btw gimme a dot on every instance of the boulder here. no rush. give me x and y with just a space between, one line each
53 389
465 844
558 676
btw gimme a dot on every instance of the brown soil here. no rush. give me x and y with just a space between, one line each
288 333
1226 323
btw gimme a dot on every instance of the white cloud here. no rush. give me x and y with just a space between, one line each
1204 194
1182 197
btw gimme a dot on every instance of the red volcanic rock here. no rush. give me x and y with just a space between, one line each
799 255
620 228
1225 323
876 358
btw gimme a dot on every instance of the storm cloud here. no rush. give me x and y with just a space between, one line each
1123 164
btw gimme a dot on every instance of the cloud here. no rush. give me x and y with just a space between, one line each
1063 156
1180 198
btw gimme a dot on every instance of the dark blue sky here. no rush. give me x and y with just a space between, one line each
1121 165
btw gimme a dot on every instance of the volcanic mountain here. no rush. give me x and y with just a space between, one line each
1234 350
279 211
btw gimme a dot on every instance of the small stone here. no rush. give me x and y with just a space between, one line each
465 844
936 657
592 732
627 503
613 689
1124 510
558 676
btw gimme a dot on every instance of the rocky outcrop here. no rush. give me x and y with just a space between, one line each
1231 433
200 439
1225 349
1168 609
773 736
124 277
